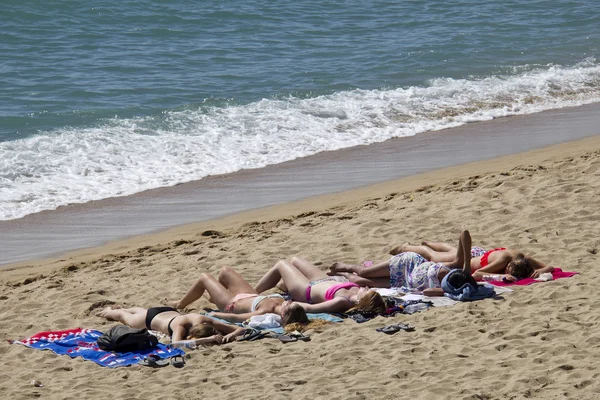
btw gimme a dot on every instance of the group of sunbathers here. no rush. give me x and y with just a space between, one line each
345 287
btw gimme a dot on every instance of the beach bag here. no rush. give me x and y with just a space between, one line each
123 339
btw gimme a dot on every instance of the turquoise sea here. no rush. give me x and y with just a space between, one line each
110 98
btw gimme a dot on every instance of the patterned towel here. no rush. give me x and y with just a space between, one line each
557 274
80 342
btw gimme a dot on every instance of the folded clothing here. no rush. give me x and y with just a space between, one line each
470 293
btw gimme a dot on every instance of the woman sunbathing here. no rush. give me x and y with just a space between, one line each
411 270
316 292
178 326
238 301
512 264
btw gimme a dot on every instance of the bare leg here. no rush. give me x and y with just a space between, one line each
308 270
439 246
294 280
429 254
206 282
367 282
134 317
234 282
463 256
379 270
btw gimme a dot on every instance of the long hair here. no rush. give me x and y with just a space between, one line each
294 314
201 331
371 302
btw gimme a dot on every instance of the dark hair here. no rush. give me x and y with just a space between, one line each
519 267
460 278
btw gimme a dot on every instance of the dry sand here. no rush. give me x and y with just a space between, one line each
540 341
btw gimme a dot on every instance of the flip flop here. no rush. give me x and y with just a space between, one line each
286 338
252 335
154 361
177 361
300 336
391 329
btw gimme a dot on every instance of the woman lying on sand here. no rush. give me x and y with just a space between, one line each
316 292
238 301
413 271
512 264
178 326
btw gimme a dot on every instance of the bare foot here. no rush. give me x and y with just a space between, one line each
339 267
399 249
105 313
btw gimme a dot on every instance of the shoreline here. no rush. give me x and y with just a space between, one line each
319 203
51 234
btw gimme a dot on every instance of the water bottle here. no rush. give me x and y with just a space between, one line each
494 278
188 344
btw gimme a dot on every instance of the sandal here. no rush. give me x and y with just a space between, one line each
154 361
177 361
391 329
252 335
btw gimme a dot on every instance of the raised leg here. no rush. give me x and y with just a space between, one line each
206 282
294 280
308 270
234 282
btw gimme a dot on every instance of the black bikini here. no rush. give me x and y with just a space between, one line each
154 311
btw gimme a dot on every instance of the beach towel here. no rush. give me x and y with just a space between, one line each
556 274
82 343
279 329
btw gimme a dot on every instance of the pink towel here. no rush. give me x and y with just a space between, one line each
556 274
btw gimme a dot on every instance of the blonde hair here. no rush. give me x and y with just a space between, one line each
295 315
316 324
371 302
201 331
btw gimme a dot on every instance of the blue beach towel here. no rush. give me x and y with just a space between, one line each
83 343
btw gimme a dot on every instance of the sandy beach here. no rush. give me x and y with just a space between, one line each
538 341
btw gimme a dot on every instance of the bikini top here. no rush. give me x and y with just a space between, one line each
330 293
259 299
484 258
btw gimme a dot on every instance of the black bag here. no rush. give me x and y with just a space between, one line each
123 339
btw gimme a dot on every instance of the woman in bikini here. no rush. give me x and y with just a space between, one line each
178 326
237 300
316 292
511 264
411 270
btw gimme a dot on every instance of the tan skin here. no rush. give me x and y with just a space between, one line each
378 275
221 292
135 317
498 261
296 276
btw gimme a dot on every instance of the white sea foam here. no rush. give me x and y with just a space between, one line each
124 156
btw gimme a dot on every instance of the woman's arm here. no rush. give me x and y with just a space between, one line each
338 304
221 326
235 317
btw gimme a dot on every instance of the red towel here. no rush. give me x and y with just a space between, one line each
556 274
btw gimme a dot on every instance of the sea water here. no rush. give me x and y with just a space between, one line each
110 98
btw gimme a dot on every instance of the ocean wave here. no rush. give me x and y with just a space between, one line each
119 157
